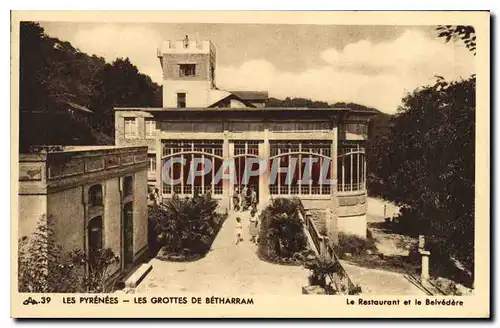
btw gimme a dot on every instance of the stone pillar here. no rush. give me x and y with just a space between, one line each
264 177
159 164
424 277
226 186
232 173
332 226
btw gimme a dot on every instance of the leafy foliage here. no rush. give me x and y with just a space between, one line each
44 268
281 232
353 245
186 226
466 33
53 73
427 165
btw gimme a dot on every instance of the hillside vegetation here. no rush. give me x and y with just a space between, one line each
53 73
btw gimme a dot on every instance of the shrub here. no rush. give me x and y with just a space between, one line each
185 226
281 233
320 268
353 244
44 268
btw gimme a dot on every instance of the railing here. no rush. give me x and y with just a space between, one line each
346 286
317 239
339 280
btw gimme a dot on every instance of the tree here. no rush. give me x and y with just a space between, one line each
429 166
53 73
464 32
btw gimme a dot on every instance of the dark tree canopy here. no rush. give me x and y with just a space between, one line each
53 73
427 165
464 32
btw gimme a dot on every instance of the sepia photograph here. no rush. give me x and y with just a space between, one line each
202 163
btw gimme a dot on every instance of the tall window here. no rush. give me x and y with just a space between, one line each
94 238
181 100
150 127
304 167
186 70
191 152
128 186
95 195
152 163
351 167
130 127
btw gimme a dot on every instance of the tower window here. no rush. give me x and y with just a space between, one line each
187 70
181 100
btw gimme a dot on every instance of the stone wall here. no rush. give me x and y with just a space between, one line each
170 63
67 213
31 209
351 205
141 139
354 225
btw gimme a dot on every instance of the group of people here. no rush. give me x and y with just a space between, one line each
242 201
245 199
253 230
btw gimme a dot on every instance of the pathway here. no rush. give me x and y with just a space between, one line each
226 269
380 282
230 268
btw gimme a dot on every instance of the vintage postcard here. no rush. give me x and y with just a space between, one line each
250 164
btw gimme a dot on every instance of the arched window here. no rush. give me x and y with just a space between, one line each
128 186
351 167
301 167
95 195
190 156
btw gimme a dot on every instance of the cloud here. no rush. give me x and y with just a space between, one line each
138 43
373 74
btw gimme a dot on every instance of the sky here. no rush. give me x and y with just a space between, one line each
369 65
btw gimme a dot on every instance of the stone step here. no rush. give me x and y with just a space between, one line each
135 278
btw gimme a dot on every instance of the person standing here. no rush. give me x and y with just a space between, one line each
253 197
239 230
236 199
244 201
253 228
157 197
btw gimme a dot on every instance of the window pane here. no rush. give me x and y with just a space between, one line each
181 100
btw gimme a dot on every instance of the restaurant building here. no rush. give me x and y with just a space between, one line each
316 154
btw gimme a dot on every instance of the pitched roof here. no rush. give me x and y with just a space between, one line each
216 95
251 95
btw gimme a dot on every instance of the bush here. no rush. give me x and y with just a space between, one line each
353 245
281 234
44 268
185 227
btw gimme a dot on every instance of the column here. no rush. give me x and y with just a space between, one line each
424 277
159 164
264 177
226 187
332 227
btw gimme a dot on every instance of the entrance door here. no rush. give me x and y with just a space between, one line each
128 234
243 165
